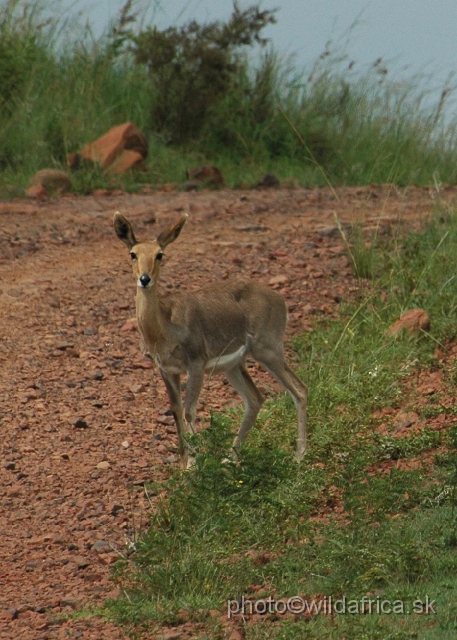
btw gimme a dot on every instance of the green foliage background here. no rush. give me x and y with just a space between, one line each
216 93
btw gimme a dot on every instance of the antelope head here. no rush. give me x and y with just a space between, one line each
146 256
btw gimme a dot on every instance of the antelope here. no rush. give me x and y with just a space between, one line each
213 329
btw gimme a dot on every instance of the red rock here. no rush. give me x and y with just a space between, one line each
207 174
106 150
130 325
114 509
51 180
281 279
413 320
37 191
137 388
125 161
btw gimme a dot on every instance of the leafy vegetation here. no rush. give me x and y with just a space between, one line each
361 517
215 93
193 68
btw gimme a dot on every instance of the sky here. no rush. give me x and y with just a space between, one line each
411 36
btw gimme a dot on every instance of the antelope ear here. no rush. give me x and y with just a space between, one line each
124 230
170 234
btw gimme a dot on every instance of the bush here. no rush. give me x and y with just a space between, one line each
192 68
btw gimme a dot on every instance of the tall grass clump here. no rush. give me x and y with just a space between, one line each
58 90
361 516
215 92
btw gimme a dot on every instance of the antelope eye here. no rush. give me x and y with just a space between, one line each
159 256
133 255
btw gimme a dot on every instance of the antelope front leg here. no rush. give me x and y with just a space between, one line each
193 389
173 386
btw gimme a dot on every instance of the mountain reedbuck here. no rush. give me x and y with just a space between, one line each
211 330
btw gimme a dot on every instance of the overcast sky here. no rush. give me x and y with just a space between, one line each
417 35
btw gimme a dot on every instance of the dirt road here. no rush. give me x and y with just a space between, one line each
82 413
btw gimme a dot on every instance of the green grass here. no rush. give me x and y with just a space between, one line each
332 123
350 520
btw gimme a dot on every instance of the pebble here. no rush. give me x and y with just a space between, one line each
101 546
81 424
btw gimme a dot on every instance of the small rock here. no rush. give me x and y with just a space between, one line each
80 562
115 509
63 346
130 325
15 490
171 635
81 424
308 309
38 192
414 320
101 546
406 420
70 601
329 232
10 466
137 388
281 279
51 180
206 175
269 181
103 465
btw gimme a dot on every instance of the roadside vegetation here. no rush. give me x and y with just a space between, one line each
371 512
214 93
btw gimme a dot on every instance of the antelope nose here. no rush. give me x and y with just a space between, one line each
145 280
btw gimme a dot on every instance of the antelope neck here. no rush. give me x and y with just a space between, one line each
149 316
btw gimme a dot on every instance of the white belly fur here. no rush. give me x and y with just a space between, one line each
222 363
226 361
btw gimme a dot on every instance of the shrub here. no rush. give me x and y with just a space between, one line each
192 67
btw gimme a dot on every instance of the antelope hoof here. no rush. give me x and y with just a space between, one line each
190 462
227 461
